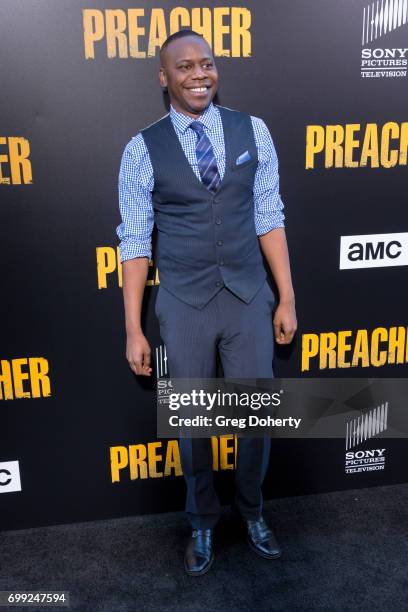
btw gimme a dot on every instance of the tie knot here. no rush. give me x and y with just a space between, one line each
198 127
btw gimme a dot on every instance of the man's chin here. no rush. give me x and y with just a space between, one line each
200 103
199 107
193 107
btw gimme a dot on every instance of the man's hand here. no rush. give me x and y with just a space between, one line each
138 354
284 322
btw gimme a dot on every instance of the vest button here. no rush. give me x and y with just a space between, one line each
219 243
221 262
218 284
216 201
218 221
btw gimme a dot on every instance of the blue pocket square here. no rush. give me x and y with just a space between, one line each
243 158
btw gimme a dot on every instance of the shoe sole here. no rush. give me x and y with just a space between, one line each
203 571
261 554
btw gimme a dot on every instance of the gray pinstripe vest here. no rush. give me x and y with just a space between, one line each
205 241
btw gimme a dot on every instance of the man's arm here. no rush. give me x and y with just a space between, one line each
135 204
269 223
138 353
275 248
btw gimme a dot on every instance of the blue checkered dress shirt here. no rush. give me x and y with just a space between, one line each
136 180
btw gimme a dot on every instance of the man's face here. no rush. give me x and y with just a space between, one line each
189 73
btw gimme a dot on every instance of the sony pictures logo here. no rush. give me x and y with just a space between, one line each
161 361
358 431
9 477
373 251
380 19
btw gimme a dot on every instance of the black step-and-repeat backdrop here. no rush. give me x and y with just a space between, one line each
78 437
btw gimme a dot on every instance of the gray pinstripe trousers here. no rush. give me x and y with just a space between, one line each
243 335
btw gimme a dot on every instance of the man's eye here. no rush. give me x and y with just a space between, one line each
185 67
208 65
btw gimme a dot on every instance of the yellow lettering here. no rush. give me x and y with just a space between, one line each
137 463
225 450
342 348
314 143
403 152
4 180
115 36
172 462
155 280
157 34
396 344
389 159
378 358
220 29
334 148
215 453
201 23
310 348
328 343
370 146
119 266
19 149
19 376
6 381
179 18
361 349
350 144
105 264
118 460
135 31
94 29
240 34
154 458
40 381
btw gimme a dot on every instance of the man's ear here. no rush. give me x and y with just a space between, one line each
162 78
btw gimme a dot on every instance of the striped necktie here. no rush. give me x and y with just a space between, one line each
207 164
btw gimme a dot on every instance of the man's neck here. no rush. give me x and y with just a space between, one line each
191 115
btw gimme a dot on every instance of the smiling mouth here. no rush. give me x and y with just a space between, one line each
198 89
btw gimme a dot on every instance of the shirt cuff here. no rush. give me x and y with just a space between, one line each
132 249
266 223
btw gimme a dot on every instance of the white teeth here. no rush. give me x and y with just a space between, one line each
199 89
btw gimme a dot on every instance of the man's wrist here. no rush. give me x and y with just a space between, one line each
287 298
134 331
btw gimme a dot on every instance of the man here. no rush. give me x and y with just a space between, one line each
207 176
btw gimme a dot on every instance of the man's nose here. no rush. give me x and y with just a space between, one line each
198 73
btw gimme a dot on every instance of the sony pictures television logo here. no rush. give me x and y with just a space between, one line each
9 477
373 251
380 20
360 430
164 384
161 361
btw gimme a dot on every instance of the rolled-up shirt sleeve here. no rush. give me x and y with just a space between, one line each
135 201
267 201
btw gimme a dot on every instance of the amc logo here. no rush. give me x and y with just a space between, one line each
9 477
373 251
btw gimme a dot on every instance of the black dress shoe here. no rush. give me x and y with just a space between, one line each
262 539
199 552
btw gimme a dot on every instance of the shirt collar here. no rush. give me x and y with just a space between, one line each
182 122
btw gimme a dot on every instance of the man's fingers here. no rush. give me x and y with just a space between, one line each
146 363
146 358
279 333
138 355
282 335
139 368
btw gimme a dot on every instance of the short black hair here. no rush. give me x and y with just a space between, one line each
180 34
